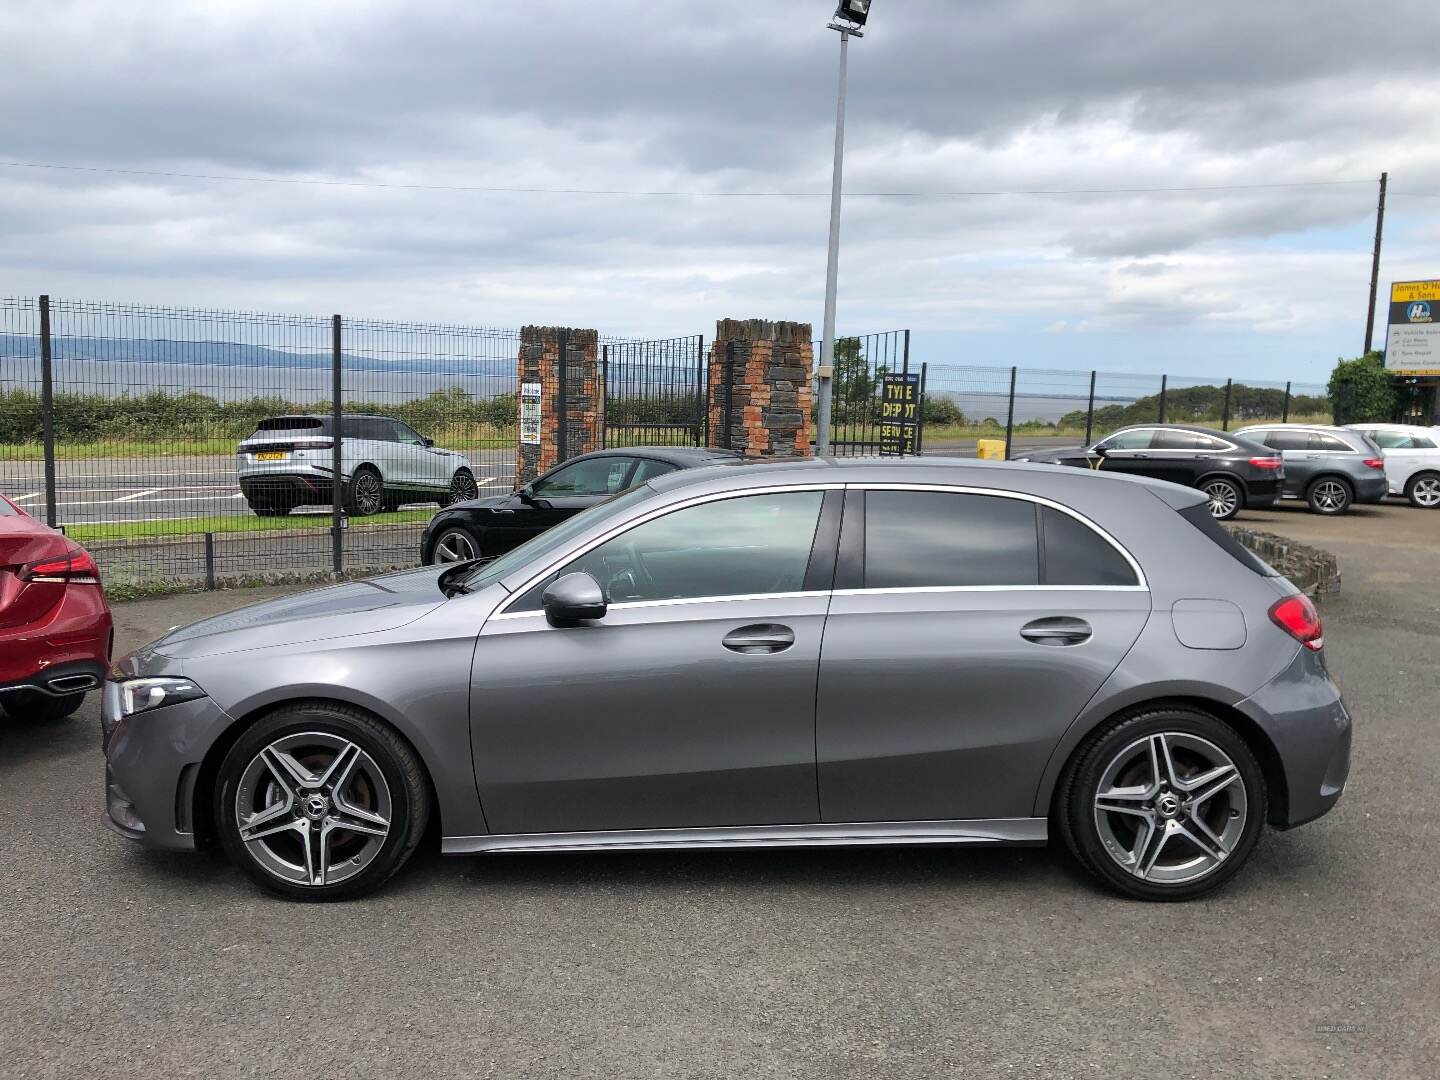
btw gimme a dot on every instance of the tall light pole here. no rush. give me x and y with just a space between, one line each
850 18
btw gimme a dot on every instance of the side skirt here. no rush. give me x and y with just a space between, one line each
981 831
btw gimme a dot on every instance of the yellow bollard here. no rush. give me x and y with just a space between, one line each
990 449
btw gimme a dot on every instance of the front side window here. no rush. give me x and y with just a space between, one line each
930 539
752 545
595 476
1139 439
406 434
1287 440
1421 442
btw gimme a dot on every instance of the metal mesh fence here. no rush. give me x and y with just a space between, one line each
655 392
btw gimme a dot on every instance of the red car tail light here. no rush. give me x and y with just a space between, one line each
75 566
1375 462
1266 462
1297 616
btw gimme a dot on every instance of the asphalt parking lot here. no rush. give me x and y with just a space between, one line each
1320 960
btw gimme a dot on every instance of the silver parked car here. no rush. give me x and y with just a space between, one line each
289 462
807 653
1331 468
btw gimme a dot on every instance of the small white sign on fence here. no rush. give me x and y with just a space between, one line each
530 413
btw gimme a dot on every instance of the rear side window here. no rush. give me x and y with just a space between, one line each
292 423
1287 440
1319 441
1421 442
1391 440
1072 553
648 469
931 539
1200 516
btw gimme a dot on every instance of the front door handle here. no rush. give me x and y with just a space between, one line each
760 638
1057 631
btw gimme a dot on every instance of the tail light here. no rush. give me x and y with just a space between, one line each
1297 616
1375 462
1266 462
76 566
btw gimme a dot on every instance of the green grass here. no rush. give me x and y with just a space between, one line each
198 526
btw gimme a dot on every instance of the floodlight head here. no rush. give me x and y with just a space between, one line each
853 11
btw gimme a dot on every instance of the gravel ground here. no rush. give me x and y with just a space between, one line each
1319 961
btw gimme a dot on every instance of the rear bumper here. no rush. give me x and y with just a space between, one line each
292 487
1262 492
1303 714
75 637
1372 489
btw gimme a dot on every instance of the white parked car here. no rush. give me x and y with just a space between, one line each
1412 460
289 462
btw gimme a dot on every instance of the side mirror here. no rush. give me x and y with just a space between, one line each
573 599
1100 450
429 441
526 495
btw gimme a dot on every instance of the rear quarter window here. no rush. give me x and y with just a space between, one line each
1199 515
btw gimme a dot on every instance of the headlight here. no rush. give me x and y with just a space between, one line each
142 695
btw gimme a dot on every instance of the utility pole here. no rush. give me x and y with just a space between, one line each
1375 266
849 20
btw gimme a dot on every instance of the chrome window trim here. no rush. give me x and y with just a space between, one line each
966 489
1225 445
635 605
657 512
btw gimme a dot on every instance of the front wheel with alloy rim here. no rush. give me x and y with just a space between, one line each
1163 804
462 487
454 545
1225 497
320 802
1424 491
365 494
1329 495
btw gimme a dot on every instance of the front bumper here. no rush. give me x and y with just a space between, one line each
152 762
1302 712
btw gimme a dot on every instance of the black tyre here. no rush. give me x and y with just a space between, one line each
454 545
320 802
33 705
1225 495
1162 804
1330 495
365 494
1423 490
272 511
462 487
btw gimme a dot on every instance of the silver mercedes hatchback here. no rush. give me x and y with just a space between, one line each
761 655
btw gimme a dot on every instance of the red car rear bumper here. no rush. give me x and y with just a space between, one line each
74 637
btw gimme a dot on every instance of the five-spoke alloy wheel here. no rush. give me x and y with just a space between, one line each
1164 805
320 802
1424 491
454 546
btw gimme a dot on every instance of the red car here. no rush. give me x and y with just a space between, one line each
55 628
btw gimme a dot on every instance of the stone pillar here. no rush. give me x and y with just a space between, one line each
582 406
761 405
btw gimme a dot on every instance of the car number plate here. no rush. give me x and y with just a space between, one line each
272 455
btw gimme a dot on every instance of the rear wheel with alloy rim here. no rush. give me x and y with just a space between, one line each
462 487
454 546
320 802
1225 497
1424 491
1329 495
1166 804
365 495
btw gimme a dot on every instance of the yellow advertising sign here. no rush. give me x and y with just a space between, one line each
1403 292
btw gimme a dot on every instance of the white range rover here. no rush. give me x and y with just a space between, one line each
289 462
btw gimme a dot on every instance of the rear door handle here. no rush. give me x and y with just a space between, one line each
1057 631
759 638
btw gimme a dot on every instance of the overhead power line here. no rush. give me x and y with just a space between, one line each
308 182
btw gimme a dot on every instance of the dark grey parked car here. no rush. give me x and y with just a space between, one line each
811 653
1331 468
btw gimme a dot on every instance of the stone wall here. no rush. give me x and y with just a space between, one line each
539 361
1313 570
760 404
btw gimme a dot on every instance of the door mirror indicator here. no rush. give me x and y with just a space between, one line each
573 599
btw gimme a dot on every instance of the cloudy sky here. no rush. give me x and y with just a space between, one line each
723 103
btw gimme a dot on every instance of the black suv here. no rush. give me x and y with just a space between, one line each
484 528
1233 472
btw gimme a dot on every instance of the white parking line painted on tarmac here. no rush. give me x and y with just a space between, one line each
22 498
139 495
189 498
